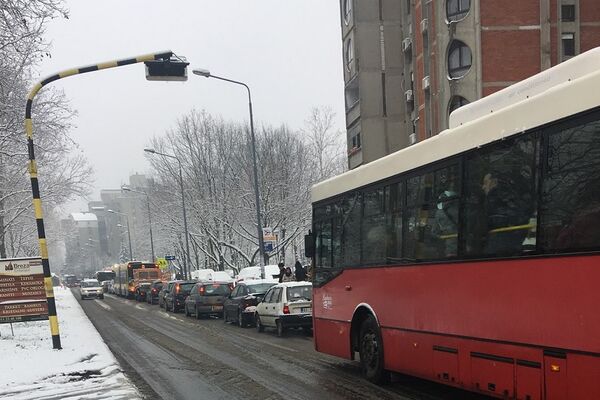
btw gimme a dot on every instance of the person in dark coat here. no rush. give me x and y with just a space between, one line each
299 272
281 271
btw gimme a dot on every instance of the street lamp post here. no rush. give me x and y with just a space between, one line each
128 189
261 249
186 260
128 230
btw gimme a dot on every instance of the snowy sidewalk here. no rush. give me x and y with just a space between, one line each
84 369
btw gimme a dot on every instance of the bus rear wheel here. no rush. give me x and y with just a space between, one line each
371 352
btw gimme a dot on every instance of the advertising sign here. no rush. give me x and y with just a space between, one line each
22 291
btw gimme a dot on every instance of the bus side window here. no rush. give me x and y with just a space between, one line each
500 198
570 211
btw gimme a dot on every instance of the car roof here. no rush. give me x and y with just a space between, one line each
294 284
91 280
253 282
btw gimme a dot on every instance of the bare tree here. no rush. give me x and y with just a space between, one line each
325 142
62 176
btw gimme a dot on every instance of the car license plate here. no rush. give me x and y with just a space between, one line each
306 309
217 308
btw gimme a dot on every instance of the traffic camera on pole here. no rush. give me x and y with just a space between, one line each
173 68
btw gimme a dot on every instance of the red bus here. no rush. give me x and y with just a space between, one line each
129 274
473 258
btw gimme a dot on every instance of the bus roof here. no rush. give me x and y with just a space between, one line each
563 90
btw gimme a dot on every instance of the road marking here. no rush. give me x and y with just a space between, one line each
139 307
103 305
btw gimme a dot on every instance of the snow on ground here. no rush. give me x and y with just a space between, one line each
84 368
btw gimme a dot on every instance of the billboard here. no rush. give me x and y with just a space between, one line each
22 291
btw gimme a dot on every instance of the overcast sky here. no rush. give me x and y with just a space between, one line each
288 51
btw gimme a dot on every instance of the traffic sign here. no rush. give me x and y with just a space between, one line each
169 258
162 263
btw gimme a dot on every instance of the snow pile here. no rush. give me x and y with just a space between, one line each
84 369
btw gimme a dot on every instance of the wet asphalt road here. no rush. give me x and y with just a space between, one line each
169 356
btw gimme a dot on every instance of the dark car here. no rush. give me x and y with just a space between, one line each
206 298
152 295
176 294
141 291
240 306
163 292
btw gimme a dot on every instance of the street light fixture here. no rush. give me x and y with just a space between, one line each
186 260
261 249
128 230
128 189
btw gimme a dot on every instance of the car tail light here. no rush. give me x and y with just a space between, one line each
131 289
230 286
177 288
201 290
153 290
286 309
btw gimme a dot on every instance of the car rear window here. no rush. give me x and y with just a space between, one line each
260 288
299 293
186 287
90 284
158 286
216 289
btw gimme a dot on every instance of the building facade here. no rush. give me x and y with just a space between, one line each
408 64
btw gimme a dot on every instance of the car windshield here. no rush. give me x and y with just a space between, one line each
260 288
299 293
186 287
216 289
144 285
90 284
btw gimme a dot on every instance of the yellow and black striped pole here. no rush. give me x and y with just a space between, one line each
35 187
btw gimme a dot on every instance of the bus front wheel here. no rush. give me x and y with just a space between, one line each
371 352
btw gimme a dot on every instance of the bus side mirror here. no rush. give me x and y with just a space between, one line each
309 245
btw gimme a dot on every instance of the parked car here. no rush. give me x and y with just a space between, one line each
206 298
284 306
240 305
271 273
176 294
141 291
90 288
155 288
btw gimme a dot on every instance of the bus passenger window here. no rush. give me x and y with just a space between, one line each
570 211
351 209
393 210
500 199
373 228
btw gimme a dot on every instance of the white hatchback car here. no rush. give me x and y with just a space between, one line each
286 305
91 288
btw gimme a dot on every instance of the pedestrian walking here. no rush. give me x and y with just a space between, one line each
299 272
288 276
281 271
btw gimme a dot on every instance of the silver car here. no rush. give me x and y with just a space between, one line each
91 288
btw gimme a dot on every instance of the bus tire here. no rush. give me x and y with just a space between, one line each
371 352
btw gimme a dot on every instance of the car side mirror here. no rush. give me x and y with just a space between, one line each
309 245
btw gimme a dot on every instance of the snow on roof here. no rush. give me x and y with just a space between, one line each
84 217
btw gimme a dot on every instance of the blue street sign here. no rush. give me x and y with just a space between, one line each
169 258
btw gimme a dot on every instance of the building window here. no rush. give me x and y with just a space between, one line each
457 9
568 44
459 59
347 9
567 12
349 54
352 94
456 102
